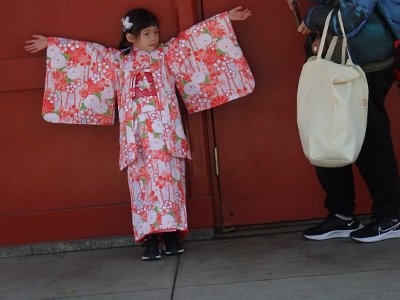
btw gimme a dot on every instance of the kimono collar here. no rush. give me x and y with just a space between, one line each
141 59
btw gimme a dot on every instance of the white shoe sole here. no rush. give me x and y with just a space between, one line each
332 234
148 258
178 252
382 237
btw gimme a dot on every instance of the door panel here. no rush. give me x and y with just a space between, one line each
62 182
264 176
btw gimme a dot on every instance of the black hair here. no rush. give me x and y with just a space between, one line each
141 19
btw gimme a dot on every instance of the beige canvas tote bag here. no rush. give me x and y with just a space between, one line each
332 106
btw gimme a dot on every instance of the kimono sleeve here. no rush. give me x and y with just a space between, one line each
208 64
80 83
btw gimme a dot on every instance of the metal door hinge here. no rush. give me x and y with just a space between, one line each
216 161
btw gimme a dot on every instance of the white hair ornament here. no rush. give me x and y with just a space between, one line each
126 24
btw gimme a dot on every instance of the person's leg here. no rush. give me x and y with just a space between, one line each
158 199
173 244
151 248
141 214
339 188
172 239
377 164
377 161
339 201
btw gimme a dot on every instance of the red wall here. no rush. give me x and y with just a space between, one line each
61 182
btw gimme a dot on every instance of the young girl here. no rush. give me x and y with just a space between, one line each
208 68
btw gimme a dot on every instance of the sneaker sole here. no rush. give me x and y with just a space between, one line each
382 237
174 253
332 234
147 258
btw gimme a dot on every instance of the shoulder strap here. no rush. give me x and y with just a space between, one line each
334 40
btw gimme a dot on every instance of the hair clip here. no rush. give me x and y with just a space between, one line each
126 23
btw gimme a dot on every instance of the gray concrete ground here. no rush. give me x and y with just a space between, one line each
267 266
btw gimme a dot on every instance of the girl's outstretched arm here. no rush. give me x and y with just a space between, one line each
37 44
239 14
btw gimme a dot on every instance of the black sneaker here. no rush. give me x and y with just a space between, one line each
172 244
332 227
377 230
152 248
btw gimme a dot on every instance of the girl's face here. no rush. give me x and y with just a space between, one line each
147 40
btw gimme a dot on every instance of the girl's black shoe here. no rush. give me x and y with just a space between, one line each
172 244
152 248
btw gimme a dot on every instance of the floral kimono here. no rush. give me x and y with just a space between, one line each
208 68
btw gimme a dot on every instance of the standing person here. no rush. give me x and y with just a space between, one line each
371 27
204 62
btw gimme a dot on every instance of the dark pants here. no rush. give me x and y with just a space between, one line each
376 162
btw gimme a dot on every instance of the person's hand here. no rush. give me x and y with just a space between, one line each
238 14
37 44
303 29
315 46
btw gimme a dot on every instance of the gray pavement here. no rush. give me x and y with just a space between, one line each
267 266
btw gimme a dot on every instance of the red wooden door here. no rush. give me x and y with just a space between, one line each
263 174
62 182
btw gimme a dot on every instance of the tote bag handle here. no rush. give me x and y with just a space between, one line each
334 40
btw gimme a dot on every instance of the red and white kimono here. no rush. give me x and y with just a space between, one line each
204 62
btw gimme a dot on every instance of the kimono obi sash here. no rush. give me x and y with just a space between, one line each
144 84
145 121
145 93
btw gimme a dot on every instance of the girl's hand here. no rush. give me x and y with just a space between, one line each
303 29
237 14
39 43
